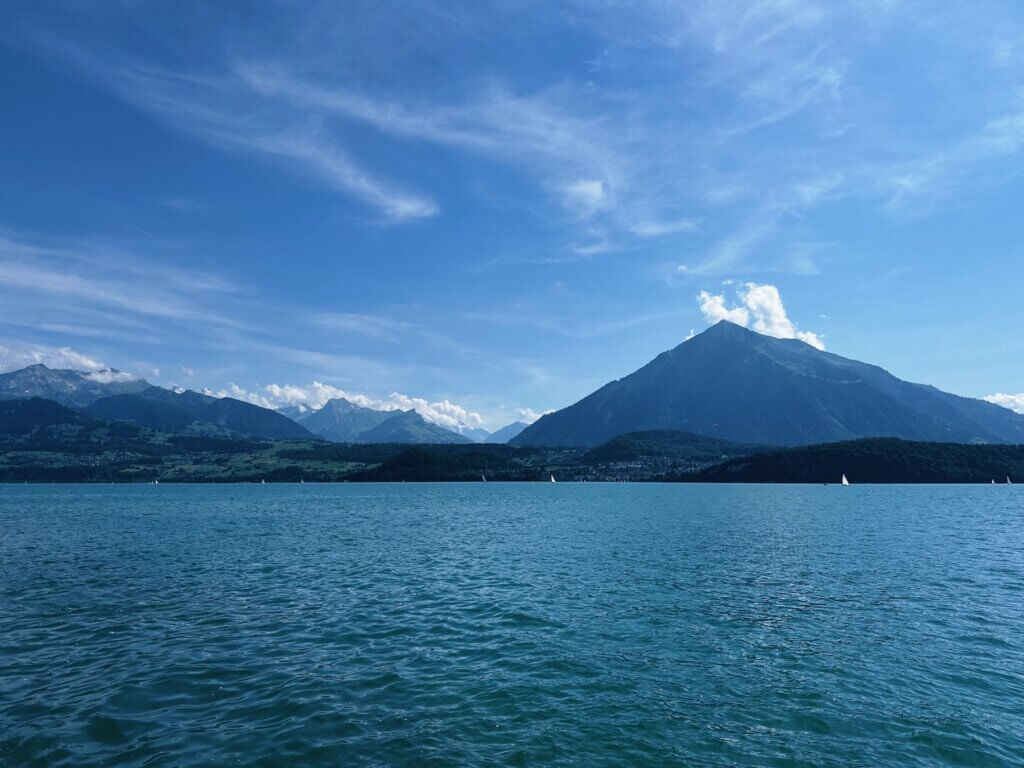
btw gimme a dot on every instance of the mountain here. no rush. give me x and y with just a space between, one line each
341 421
296 412
506 433
873 460
146 412
409 427
732 383
26 416
187 411
74 389
476 434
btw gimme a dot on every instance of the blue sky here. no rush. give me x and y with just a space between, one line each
487 210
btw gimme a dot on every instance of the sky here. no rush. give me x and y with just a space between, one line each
486 210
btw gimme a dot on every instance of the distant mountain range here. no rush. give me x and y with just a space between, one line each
342 421
112 395
732 383
43 441
74 389
728 383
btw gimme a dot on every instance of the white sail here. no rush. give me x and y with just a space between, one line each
552 478
1008 480
845 481
483 479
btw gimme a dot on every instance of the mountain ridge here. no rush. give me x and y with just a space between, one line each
68 387
342 421
191 412
409 427
506 433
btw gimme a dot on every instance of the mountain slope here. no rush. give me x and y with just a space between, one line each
410 427
506 433
475 434
24 416
169 411
162 417
732 383
74 389
341 421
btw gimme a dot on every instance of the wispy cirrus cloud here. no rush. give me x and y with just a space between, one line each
56 278
577 153
567 149
527 316
992 152
373 326
220 110
637 161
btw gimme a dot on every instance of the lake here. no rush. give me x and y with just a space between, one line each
520 624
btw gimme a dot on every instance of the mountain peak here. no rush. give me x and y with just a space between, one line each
70 388
410 427
726 329
339 405
726 325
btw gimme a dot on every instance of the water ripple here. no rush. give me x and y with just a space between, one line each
511 624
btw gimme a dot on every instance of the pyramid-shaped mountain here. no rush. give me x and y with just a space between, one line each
733 383
410 427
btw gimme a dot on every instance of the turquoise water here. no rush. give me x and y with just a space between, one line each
568 624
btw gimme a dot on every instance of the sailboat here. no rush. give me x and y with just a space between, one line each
552 478
483 479
263 482
844 480
1008 480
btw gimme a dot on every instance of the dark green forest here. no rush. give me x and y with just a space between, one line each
872 460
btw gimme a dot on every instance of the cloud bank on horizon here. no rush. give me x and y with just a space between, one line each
316 395
504 205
